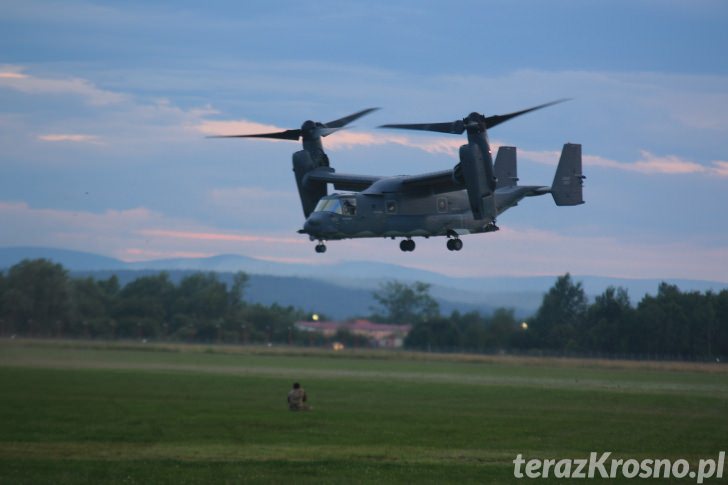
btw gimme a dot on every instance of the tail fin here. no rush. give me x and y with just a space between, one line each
568 181
505 167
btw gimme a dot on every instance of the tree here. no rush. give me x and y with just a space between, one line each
501 328
201 295
240 281
3 324
92 305
439 333
402 303
36 296
676 323
719 334
609 322
145 305
560 315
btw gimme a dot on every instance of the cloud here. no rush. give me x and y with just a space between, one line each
649 163
341 140
219 236
161 120
144 254
139 234
248 194
236 127
669 164
131 234
720 167
13 77
433 144
77 138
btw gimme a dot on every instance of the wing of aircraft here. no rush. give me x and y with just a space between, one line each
342 181
439 182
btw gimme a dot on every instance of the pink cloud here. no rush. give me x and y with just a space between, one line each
217 236
720 168
139 234
669 164
648 164
133 254
342 140
275 259
236 127
12 77
132 234
76 138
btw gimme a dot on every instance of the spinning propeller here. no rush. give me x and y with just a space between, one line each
309 129
473 120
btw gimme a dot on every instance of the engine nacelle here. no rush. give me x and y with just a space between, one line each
475 176
309 191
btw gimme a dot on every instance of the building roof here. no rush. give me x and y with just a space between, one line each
356 325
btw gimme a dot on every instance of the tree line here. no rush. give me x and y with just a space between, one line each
669 324
38 298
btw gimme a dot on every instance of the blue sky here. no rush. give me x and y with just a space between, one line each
104 108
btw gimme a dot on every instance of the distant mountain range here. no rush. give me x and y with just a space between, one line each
343 290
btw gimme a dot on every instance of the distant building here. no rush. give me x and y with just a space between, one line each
381 334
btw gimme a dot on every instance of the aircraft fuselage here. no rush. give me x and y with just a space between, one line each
414 213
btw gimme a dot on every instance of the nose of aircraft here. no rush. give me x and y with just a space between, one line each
314 225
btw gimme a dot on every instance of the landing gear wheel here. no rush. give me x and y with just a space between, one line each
321 248
454 244
407 245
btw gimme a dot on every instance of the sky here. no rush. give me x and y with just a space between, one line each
105 106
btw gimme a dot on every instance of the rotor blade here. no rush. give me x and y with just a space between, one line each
491 121
327 131
454 127
280 135
341 122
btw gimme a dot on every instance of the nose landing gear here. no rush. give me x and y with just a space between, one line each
407 245
321 247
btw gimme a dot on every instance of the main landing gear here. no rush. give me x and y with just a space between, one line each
453 241
407 245
321 247
454 244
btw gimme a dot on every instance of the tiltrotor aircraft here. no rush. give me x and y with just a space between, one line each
452 203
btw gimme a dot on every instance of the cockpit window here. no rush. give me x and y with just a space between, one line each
339 205
324 204
348 206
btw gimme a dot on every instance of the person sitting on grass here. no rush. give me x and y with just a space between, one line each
297 398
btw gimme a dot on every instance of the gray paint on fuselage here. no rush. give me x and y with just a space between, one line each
390 208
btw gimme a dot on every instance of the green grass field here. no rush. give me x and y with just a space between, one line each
103 413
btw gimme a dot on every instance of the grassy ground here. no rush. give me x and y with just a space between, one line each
90 413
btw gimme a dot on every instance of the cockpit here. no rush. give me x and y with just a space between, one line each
337 204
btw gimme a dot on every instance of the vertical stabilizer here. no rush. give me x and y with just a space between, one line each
505 167
568 181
